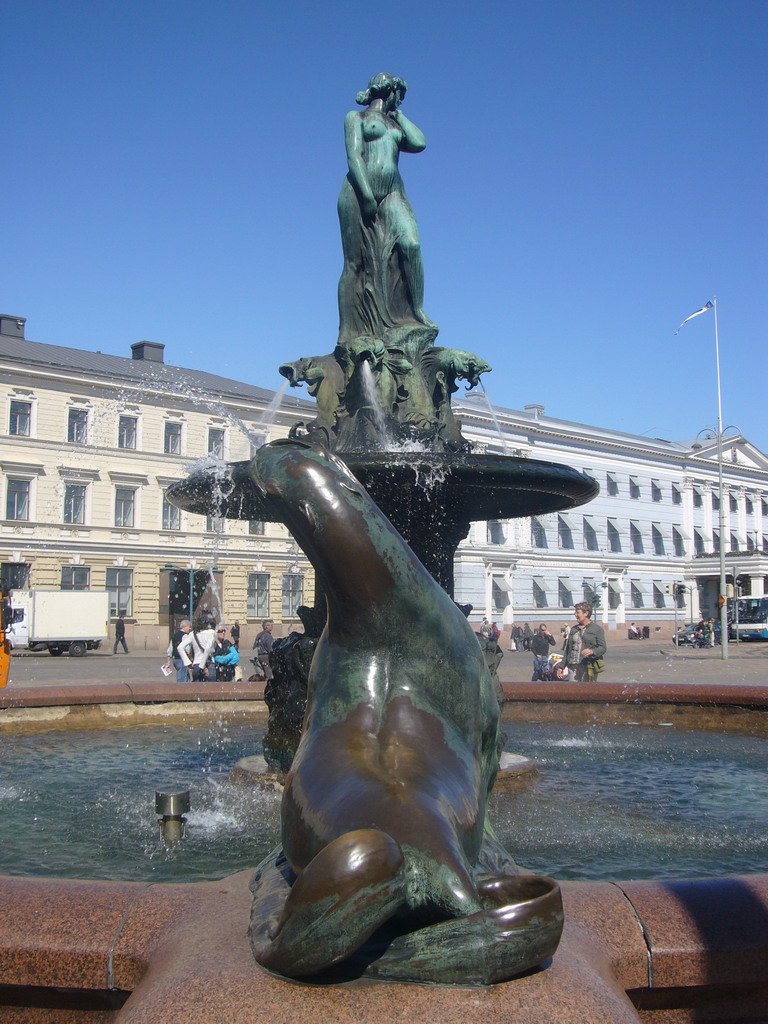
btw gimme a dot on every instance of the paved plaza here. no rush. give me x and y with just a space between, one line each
642 662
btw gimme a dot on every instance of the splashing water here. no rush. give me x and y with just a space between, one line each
374 403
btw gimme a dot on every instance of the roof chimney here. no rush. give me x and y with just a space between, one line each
537 411
12 325
150 351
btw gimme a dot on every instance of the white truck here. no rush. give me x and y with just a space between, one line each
59 620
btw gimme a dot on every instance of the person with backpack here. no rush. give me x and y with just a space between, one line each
263 645
196 649
173 656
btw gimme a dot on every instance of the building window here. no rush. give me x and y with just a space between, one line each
655 491
538 533
171 515
564 533
677 543
634 487
636 539
658 596
734 543
698 543
677 497
657 539
733 503
750 542
74 504
764 507
500 595
293 594
172 439
614 597
716 541
126 432
697 498
612 484
590 536
120 587
256 441
715 501
495 532
15 575
20 419
77 426
564 593
125 503
539 595
749 508
17 502
256 527
214 524
257 597
216 442
635 596
614 537
75 577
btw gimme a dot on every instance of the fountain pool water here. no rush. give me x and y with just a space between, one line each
610 802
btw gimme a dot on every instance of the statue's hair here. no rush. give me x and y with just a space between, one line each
379 86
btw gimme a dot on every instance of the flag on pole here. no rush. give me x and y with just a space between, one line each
704 309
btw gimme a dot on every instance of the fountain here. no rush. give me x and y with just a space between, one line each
379 898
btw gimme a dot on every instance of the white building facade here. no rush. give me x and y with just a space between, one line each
655 526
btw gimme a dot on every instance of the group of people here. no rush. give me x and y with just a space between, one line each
204 653
584 649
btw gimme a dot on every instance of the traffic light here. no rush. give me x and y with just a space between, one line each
679 590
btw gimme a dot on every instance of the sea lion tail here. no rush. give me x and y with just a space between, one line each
351 887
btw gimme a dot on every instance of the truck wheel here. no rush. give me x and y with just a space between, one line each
55 651
77 649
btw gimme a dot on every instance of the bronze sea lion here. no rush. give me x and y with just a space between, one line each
384 813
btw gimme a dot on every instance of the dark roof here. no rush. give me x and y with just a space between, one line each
145 371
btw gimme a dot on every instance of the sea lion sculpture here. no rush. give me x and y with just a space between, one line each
388 866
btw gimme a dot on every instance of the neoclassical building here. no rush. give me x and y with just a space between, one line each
653 532
89 443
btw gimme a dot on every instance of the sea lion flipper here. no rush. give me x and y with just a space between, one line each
519 928
345 893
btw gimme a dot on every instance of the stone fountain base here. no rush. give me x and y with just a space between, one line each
127 953
659 952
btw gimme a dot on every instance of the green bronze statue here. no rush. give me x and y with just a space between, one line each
384 355
381 290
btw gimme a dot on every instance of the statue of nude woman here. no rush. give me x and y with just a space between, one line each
382 283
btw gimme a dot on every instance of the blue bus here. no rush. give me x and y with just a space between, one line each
753 618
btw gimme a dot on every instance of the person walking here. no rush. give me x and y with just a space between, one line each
120 635
527 636
225 656
541 641
516 642
235 634
585 647
263 645
173 656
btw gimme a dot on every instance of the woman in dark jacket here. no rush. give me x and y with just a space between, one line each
585 645
225 656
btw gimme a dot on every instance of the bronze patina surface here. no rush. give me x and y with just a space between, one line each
384 815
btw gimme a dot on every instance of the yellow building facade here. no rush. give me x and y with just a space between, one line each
88 447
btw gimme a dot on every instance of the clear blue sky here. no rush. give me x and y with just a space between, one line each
594 172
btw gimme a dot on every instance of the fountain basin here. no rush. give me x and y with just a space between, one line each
175 951
682 787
